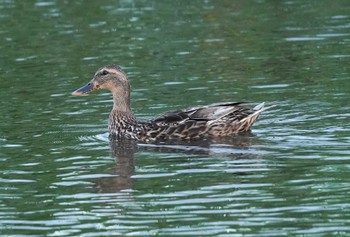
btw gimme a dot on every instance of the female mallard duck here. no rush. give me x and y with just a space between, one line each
215 120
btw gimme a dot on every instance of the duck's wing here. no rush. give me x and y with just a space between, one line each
229 118
178 124
218 111
174 125
196 121
208 113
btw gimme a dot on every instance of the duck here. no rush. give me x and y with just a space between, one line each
199 122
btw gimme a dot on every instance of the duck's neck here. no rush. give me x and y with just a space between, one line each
121 105
121 115
121 102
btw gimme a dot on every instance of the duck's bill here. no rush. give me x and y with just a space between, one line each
84 90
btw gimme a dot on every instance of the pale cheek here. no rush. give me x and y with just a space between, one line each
108 87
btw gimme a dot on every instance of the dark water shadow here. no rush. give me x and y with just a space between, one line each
237 147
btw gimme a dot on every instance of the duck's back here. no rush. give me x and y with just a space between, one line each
213 120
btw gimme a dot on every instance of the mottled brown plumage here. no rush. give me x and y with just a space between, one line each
215 120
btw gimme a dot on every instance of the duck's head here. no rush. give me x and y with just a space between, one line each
109 77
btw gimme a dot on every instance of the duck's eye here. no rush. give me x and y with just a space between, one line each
104 72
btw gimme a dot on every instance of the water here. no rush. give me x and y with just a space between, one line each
60 176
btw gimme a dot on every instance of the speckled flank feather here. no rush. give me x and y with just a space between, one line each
215 120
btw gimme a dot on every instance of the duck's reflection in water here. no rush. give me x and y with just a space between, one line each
123 151
233 148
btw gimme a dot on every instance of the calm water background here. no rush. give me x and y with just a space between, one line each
61 177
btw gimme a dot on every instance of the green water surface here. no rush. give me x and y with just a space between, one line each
60 175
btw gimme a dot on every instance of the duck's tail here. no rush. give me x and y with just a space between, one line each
247 122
